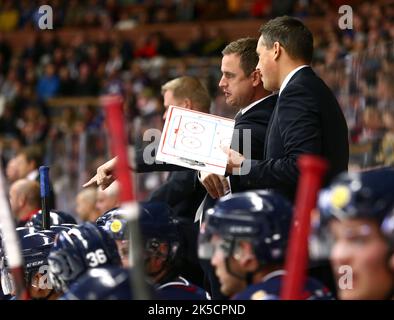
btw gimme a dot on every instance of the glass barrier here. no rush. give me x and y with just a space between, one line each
363 83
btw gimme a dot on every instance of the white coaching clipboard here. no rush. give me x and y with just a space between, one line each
195 139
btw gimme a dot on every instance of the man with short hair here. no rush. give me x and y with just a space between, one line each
162 248
243 90
357 226
180 191
25 200
35 247
187 92
11 171
245 237
27 162
86 205
107 199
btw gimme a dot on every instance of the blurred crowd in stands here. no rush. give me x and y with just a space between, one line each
126 14
357 64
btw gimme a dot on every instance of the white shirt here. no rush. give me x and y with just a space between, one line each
289 76
32 175
273 274
243 110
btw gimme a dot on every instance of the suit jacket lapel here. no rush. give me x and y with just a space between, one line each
274 114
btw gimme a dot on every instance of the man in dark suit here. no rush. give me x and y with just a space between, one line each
307 118
179 191
243 90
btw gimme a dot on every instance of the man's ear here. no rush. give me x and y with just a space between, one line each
256 78
21 200
35 283
187 103
32 165
277 50
391 263
35 290
245 256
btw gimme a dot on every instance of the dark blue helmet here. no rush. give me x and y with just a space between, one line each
387 228
261 217
22 231
35 250
156 221
56 218
62 227
367 195
77 250
111 283
115 223
53 230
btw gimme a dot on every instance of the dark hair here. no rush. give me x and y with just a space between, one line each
32 153
245 48
292 35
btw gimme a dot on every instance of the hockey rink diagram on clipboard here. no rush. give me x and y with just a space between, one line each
194 139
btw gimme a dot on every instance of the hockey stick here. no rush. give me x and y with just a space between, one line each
44 192
312 170
11 243
113 106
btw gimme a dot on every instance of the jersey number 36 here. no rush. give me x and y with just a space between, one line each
96 258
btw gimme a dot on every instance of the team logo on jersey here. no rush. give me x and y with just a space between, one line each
116 226
340 196
259 295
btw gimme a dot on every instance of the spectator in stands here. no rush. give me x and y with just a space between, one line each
25 200
8 88
48 84
19 72
26 10
66 85
386 150
87 84
385 90
165 46
28 160
185 10
146 47
215 43
373 123
86 205
33 125
197 41
9 16
5 53
107 199
11 171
